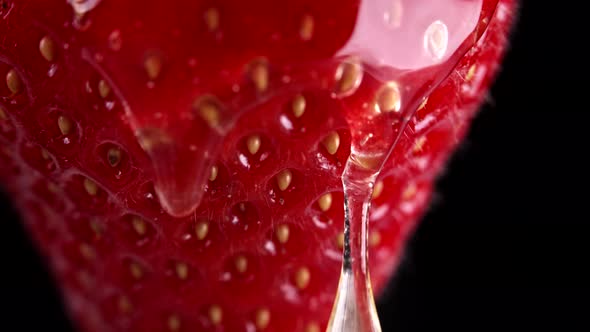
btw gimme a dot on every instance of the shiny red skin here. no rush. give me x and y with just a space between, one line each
90 241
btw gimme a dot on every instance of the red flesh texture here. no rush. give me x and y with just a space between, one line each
48 187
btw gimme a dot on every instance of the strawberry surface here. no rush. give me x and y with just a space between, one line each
179 164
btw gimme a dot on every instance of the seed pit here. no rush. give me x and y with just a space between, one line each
254 150
287 240
86 192
138 231
242 217
113 161
114 157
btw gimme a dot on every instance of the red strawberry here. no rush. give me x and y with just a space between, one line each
180 163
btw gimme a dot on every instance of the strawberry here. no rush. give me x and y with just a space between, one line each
179 164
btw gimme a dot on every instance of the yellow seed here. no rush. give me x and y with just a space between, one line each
104 89
174 323
369 161
139 225
14 82
153 66
87 251
419 144
181 270
215 314
312 327
374 238
423 104
284 179
325 202
64 124
152 138
348 77
253 143
114 156
47 48
282 233
262 318
241 264
96 227
470 73
52 187
201 229
135 270
212 19
340 240
388 98
115 40
377 189
259 75
3 116
209 109
298 105
302 277
410 191
85 279
331 142
45 154
213 175
307 26
124 304
91 187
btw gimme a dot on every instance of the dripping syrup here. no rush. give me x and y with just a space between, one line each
354 307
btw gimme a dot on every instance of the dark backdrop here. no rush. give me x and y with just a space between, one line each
507 241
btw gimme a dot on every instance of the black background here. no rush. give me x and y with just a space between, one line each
506 243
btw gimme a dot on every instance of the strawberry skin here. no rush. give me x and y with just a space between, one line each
95 150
